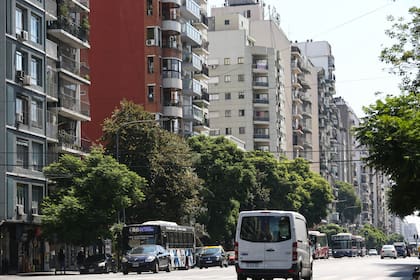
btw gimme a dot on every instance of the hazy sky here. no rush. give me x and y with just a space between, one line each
356 31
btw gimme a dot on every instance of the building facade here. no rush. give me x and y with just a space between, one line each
159 62
44 85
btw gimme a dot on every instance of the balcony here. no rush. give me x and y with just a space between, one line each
261 118
203 74
296 67
203 100
295 51
171 79
73 108
170 22
69 32
52 126
191 61
191 35
202 49
52 85
260 84
193 113
202 24
177 3
76 70
202 126
190 10
172 109
70 143
261 102
191 87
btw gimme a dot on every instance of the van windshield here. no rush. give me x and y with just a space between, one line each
265 228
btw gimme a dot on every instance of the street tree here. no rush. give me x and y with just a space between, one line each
88 197
162 158
391 128
374 237
330 230
349 204
229 181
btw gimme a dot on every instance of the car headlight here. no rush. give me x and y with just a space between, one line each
124 259
150 259
101 264
217 258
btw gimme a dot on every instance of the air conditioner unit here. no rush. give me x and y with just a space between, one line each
150 42
20 211
24 35
19 117
26 80
20 74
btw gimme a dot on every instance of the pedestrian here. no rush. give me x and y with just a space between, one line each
62 261
80 259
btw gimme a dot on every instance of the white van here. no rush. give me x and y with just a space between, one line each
272 244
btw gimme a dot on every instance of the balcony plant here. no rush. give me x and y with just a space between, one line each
85 27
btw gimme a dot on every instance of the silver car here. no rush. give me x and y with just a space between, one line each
388 251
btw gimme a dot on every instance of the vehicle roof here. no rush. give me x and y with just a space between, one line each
269 212
214 246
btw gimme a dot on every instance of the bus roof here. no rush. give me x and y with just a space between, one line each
160 223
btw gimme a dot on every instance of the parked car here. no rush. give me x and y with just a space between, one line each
147 258
272 244
231 257
388 251
212 256
372 252
99 263
401 249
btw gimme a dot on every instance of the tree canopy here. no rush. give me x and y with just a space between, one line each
391 128
349 204
162 158
89 196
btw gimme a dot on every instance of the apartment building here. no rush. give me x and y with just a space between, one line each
45 92
158 60
248 80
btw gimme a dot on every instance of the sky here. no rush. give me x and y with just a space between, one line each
356 32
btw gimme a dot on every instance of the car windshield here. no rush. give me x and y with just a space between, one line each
388 247
210 251
143 250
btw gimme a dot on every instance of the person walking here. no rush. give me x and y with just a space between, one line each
62 261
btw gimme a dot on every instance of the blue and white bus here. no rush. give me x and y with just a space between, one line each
178 240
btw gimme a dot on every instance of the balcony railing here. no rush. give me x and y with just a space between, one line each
74 104
70 27
192 34
71 141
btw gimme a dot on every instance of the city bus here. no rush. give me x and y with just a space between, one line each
319 244
360 244
178 240
343 245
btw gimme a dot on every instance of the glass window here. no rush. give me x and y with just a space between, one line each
22 153
227 78
227 22
37 196
241 77
241 112
228 96
36 113
21 194
227 60
228 113
35 71
228 131
35 29
151 93
19 61
18 20
265 228
37 156
241 95
242 130
150 68
21 110
240 60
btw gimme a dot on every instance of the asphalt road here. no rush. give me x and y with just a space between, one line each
367 268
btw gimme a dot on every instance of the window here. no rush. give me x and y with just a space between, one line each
150 68
240 60
35 71
228 113
227 78
151 93
35 29
21 110
21 194
171 68
265 228
228 131
19 20
227 60
241 77
248 13
227 96
19 61
22 153
241 113
241 95
36 113
227 22
214 97
37 196
37 156
149 7
242 130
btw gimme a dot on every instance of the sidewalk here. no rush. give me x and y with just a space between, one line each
49 273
